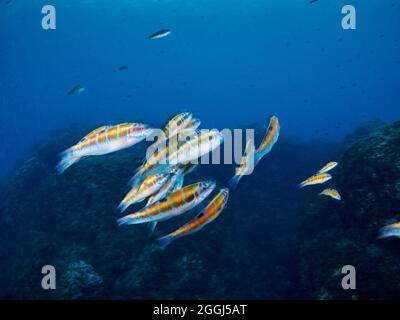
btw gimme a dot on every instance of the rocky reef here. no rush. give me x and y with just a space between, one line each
271 242
333 234
69 221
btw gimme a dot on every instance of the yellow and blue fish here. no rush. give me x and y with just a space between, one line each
328 167
271 137
207 215
149 186
317 178
173 205
333 193
104 140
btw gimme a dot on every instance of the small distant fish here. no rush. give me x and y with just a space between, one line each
122 68
331 193
392 230
328 167
207 215
312 1
318 178
271 137
104 140
173 205
160 34
76 90
245 165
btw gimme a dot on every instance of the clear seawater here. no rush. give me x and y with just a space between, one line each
230 63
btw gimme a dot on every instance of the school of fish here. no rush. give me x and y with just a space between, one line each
321 177
160 178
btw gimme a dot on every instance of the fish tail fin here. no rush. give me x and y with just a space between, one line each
122 221
386 232
165 241
257 157
301 185
122 206
135 179
152 226
65 163
233 182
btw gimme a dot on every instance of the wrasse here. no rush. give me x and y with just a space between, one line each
174 182
316 179
177 123
200 145
149 186
159 151
160 34
189 130
104 140
166 188
328 167
194 124
392 230
155 164
175 204
76 90
246 166
207 215
331 193
177 186
271 137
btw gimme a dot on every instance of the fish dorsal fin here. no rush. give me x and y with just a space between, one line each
95 131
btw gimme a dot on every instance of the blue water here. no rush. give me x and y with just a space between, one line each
231 63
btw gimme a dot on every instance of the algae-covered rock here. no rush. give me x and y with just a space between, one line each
337 234
80 280
69 221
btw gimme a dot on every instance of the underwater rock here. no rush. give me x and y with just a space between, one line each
336 234
69 221
80 280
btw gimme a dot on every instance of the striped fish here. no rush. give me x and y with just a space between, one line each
207 215
316 179
392 230
271 137
175 125
334 194
170 186
175 204
166 188
158 152
328 167
200 145
149 186
104 140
